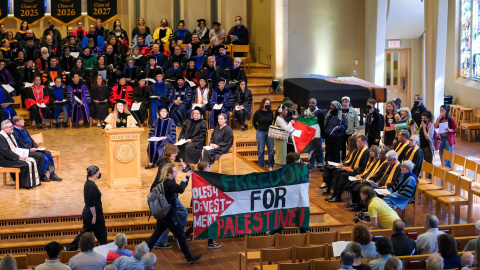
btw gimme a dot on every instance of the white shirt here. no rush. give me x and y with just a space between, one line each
52 265
427 242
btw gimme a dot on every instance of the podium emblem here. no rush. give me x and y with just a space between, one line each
124 152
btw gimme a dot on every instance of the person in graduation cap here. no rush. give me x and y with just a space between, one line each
159 97
174 72
164 129
122 91
37 99
6 105
181 96
99 94
202 31
60 102
120 117
150 72
141 94
220 141
220 96
194 131
223 59
79 97
191 73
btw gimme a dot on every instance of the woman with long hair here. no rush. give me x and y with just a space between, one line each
163 32
356 249
80 70
390 117
427 130
281 143
262 119
243 104
99 95
8 262
118 31
22 32
406 116
381 215
120 117
447 140
140 22
101 66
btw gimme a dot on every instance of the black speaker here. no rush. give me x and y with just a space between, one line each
275 87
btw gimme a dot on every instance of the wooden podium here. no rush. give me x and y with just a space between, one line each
123 157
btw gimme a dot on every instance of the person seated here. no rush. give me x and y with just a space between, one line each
139 60
385 250
356 249
467 261
79 97
415 155
180 97
120 117
355 166
174 72
122 91
37 100
393 263
160 59
150 72
52 47
163 32
80 70
182 35
6 77
53 71
145 50
6 50
113 60
87 258
43 158
92 34
3 31
238 34
203 95
94 50
148 261
67 61
191 73
99 95
147 39
141 94
434 262
18 62
101 67
200 59
66 39
236 74
29 34
7 110
135 261
447 247
214 48
140 22
402 190
131 71
120 241
194 131
72 44
177 56
89 60
60 102
53 262
202 31
402 245
381 216
220 141
42 62
427 241
159 97
118 31
402 146
471 245
22 32
346 260
31 50
80 32
243 104
164 129
217 32
100 30
193 46
224 60
362 236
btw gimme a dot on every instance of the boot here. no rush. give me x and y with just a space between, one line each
65 124
54 177
44 178
86 125
57 125
75 124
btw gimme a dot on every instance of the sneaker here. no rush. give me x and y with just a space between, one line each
163 246
270 169
178 244
99 124
194 259
214 245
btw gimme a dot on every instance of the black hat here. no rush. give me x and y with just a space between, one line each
163 106
191 59
28 59
140 77
158 71
70 36
221 46
2 61
201 20
85 48
397 100
176 60
51 57
120 101
91 170
204 78
152 57
216 23
198 108
122 75
221 80
180 78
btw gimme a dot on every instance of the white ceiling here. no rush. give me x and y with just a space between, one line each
405 19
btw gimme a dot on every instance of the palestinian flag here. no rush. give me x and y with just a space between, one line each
228 205
305 130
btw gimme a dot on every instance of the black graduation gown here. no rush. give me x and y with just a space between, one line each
222 137
67 63
195 130
99 110
417 160
10 159
142 94
82 72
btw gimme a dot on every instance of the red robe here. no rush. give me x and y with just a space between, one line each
34 96
122 92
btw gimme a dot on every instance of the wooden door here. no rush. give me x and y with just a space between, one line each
397 75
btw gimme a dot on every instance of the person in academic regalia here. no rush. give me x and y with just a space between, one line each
26 73
191 73
180 101
160 97
43 158
243 104
79 97
202 95
235 74
174 72
6 77
99 94
221 140
89 60
402 190
131 71
150 72
67 62
122 91
9 158
415 154
79 69
220 96
141 94
223 60
120 117
60 102
53 71
163 128
6 110
37 99
194 131
100 67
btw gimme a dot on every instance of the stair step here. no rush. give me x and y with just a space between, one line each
260 75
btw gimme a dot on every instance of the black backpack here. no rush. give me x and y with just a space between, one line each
157 202
381 120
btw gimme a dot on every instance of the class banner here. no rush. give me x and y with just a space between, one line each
102 9
31 11
66 12
227 205
3 10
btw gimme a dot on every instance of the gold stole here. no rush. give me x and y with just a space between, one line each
347 159
358 157
412 153
375 170
392 172
399 149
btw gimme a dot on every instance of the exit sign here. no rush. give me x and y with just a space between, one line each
394 44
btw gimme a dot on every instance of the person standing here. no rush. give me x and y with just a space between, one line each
447 136
281 144
335 126
262 119
391 116
426 133
372 123
417 109
352 123
92 215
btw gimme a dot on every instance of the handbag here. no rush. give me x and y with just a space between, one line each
277 133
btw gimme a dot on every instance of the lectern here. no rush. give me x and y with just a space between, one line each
123 157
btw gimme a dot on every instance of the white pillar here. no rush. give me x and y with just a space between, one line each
375 27
280 37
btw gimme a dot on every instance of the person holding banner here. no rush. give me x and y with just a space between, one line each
220 141
170 221
447 127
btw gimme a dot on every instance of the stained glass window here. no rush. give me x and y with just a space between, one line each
476 39
465 44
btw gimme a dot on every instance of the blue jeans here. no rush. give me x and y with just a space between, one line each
317 153
445 145
182 214
262 138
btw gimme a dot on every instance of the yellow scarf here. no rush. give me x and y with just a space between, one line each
400 147
412 153
347 159
358 157
374 171
392 172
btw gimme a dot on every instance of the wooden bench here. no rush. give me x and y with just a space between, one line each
231 154
38 138
16 171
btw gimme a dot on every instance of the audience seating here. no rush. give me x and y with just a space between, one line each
294 266
458 200
427 168
450 185
36 258
245 50
16 171
21 261
252 245
438 173
325 265
459 162
309 253
321 238
288 240
275 255
19 109
447 156
455 110
38 138
232 154
466 116
470 127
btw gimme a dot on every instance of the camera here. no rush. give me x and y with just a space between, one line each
361 216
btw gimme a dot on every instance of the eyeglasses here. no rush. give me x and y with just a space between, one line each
9 127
